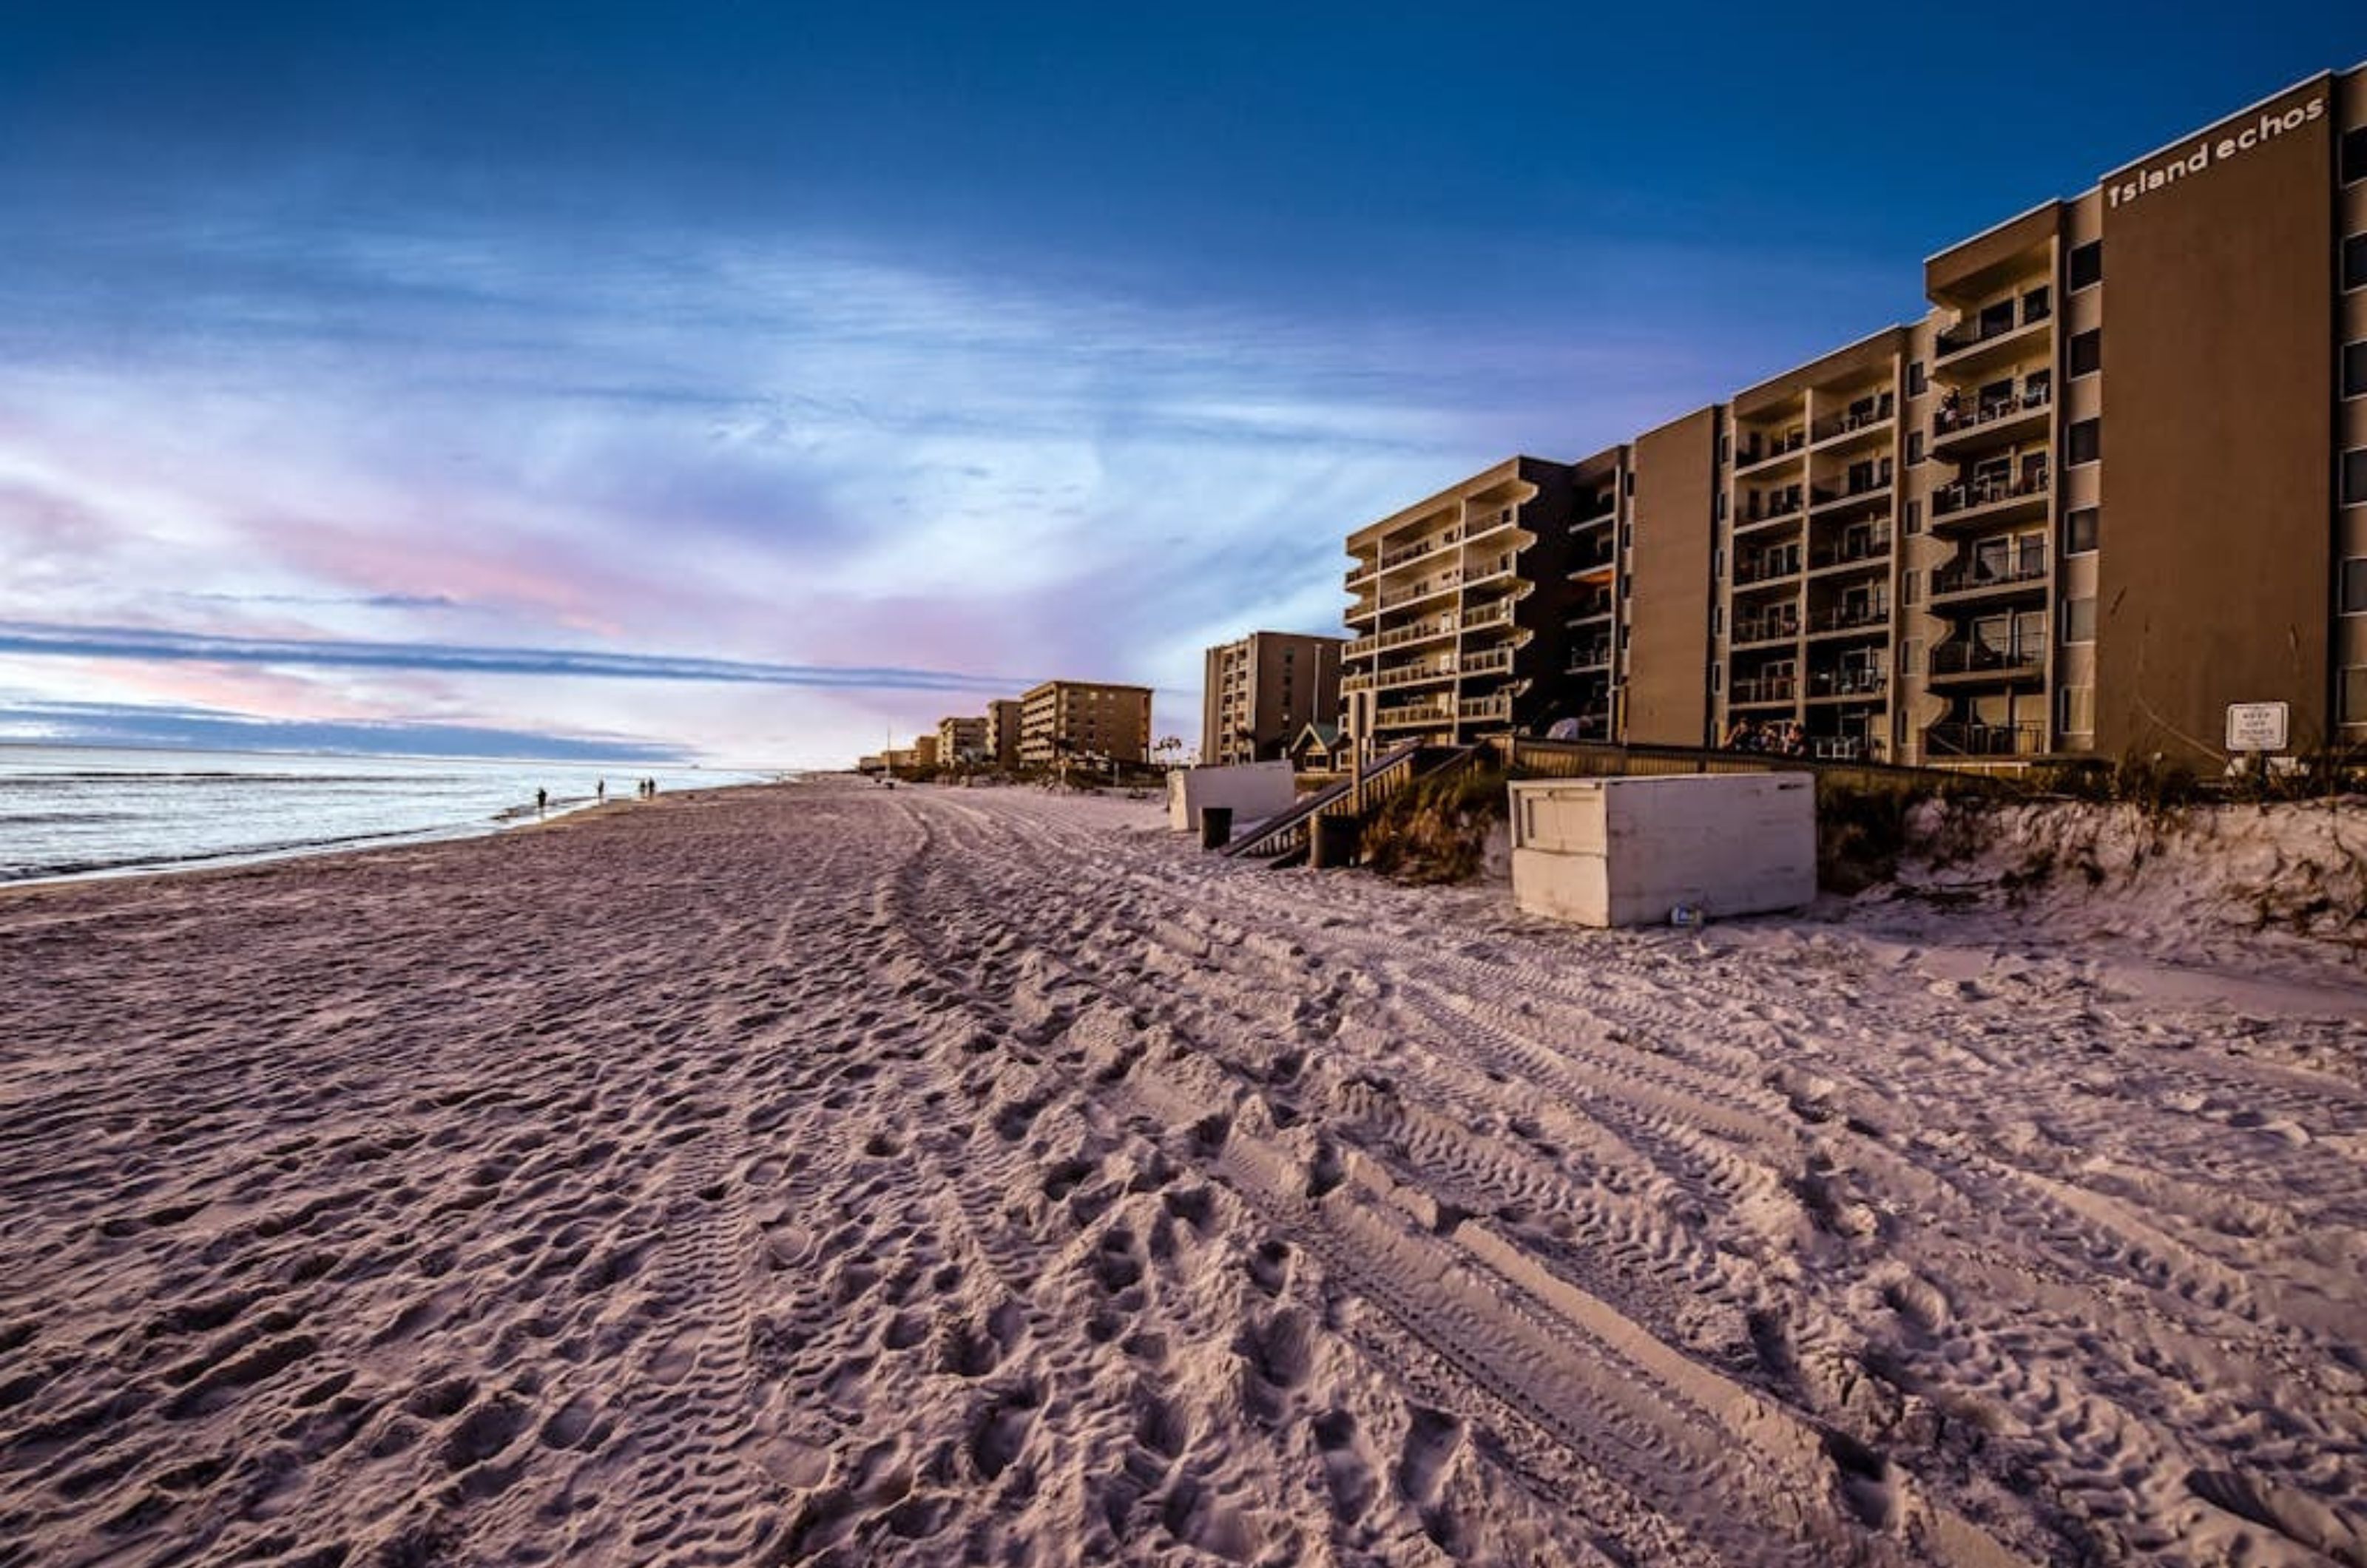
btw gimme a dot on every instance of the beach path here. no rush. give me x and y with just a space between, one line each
822 1173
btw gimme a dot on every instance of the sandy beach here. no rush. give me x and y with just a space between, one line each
822 1173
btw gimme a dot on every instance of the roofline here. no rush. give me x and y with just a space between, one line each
2005 223
1512 462
1764 382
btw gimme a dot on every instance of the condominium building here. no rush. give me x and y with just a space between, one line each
924 752
1082 720
2112 483
1003 732
962 741
1263 691
1459 611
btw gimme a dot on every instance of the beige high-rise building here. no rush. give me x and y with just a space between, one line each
962 742
925 751
1459 609
2113 483
1262 690
1003 719
1076 720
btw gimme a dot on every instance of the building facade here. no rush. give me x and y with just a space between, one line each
961 742
1459 610
1081 720
2114 482
1261 691
1003 732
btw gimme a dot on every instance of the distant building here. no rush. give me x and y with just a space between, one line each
925 751
1315 749
1262 690
1003 732
1082 719
962 741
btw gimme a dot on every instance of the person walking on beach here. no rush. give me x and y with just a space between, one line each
541 801
600 791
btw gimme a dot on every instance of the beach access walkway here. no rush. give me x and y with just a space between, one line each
822 1173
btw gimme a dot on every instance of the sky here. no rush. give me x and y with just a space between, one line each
756 382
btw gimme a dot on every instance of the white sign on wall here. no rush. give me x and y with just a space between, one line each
2257 726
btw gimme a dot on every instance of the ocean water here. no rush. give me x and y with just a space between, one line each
76 811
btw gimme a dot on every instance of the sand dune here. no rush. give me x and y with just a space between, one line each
826 1174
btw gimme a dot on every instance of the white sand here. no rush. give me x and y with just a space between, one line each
935 1175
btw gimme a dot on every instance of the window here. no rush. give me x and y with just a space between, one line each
1914 518
2354 262
2354 369
2036 304
2079 620
1627 483
2080 531
1721 506
2354 695
2354 154
2354 586
1917 383
1910 657
1911 588
2086 351
2087 264
1715 671
2354 477
1914 446
2076 710
1726 448
1626 535
1717 620
2086 443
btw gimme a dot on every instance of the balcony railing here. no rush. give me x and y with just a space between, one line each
1488 615
1851 421
1848 682
1410 675
1589 657
1423 590
1845 748
1481 571
1849 617
1435 710
1767 568
1594 609
1851 548
1970 495
1773 508
1954 420
1763 689
1965 576
1961 740
1980 658
1973 334
1767 449
1748 629
1484 707
1473 527
1398 637
1422 547
1490 662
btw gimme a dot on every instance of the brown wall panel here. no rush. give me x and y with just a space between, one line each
1676 484
2217 534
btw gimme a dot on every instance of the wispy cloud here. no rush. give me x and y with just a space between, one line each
37 640
149 725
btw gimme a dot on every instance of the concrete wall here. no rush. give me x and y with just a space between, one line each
2217 392
1668 676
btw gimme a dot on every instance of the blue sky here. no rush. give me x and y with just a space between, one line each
759 381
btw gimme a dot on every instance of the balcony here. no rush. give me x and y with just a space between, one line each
1961 740
1482 709
1976 348
1782 507
1406 675
1759 691
1587 612
1398 637
1489 570
1836 429
1837 619
1490 662
1593 562
1429 587
1851 501
1970 501
1488 523
1972 663
1761 450
1845 748
1860 547
1832 685
2000 421
1597 512
1779 627
1432 711
1996 574
1499 614
1591 657
1772 567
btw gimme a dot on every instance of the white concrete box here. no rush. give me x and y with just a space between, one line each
1255 791
1631 852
